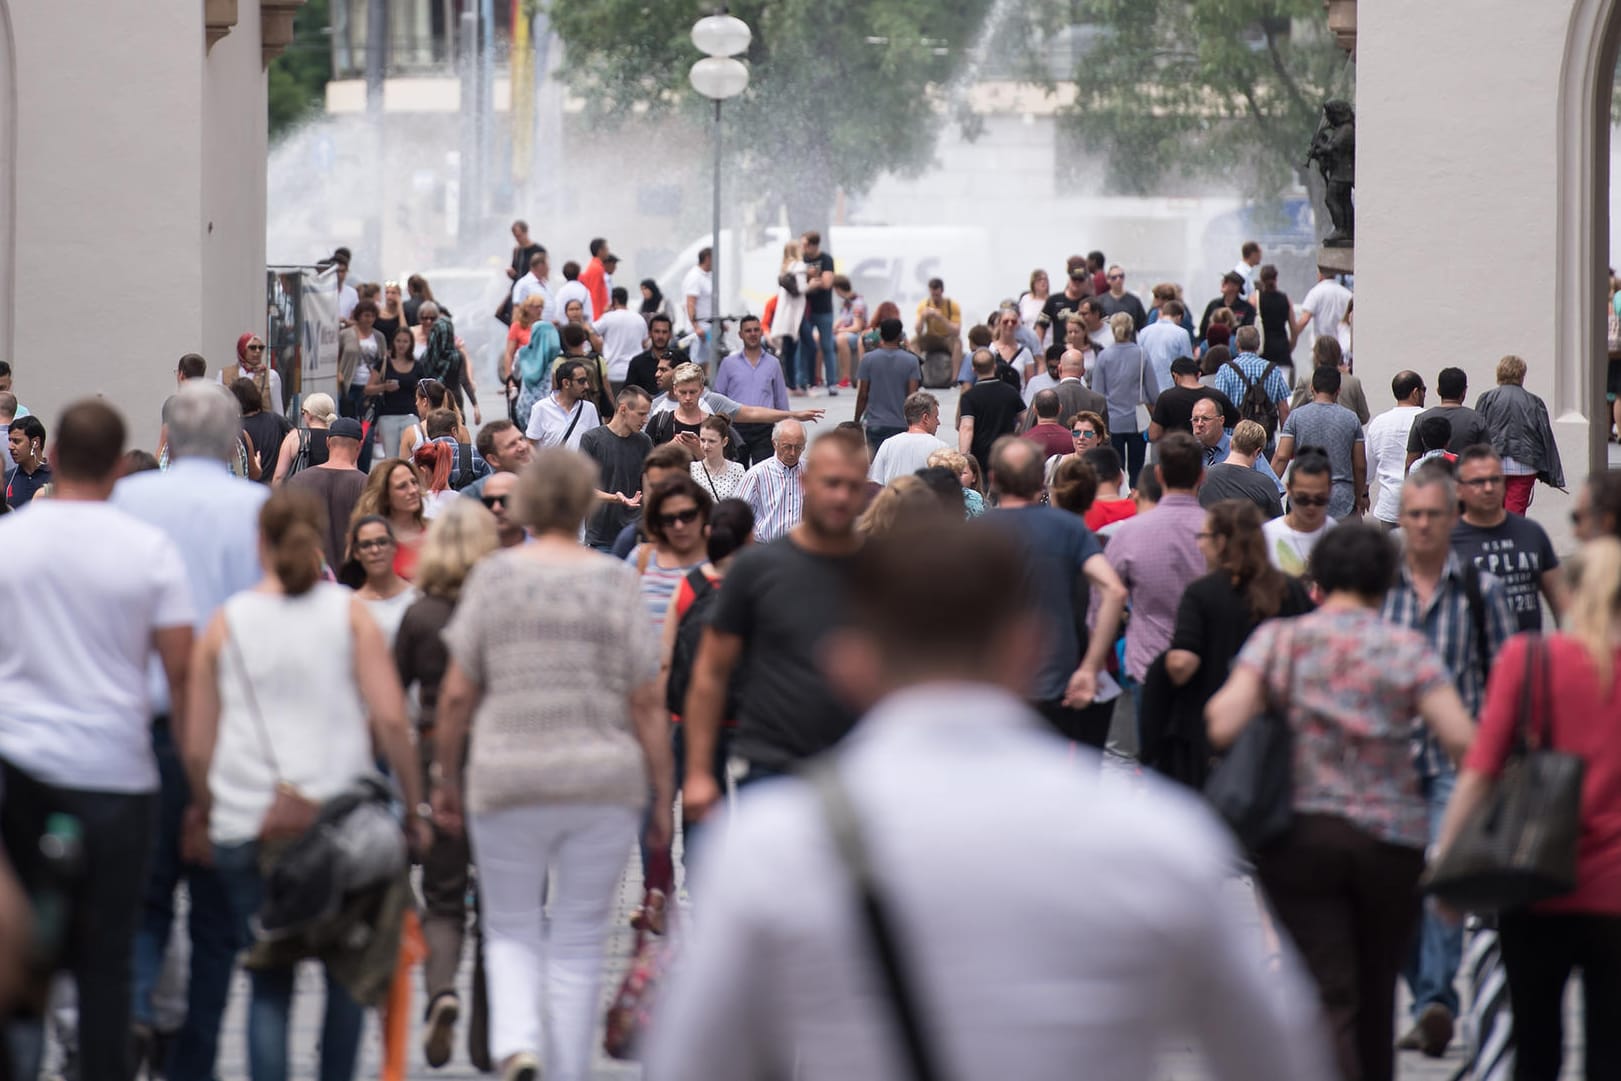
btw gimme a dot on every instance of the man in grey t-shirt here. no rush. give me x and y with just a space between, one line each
1323 422
887 376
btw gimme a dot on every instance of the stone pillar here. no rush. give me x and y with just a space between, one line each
276 26
1342 20
219 16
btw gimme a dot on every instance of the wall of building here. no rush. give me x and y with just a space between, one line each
108 156
232 226
1464 204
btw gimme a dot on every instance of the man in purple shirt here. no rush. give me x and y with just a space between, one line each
753 377
1156 555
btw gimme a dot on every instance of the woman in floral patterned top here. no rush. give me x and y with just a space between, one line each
1344 879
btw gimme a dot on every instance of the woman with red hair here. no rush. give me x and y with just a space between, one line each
434 461
252 362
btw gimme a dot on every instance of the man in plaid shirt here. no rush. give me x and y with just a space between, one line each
1453 604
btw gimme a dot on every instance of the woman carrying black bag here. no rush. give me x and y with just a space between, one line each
1576 709
1343 878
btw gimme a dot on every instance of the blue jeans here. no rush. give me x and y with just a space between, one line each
1438 948
271 1006
878 435
821 324
214 941
1132 450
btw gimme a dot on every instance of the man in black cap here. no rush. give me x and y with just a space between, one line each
1232 286
1173 409
337 482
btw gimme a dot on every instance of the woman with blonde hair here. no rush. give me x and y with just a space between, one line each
1031 303
906 497
304 447
393 492
459 537
291 689
790 311
1576 708
1125 378
963 468
1522 434
561 760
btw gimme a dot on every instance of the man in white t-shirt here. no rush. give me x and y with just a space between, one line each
534 283
1290 539
1327 301
909 451
571 289
623 332
91 593
1386 443
696 290
563 416
1248 266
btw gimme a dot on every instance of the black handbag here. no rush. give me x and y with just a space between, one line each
1519 846
1253 787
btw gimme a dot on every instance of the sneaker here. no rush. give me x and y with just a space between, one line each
832 392
439 1031
521 1067
845 383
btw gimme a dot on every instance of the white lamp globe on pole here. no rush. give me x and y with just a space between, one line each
718 76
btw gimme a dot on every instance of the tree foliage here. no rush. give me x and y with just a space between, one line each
1227 90
840 91
298 77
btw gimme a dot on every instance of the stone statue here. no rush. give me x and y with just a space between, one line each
1333 148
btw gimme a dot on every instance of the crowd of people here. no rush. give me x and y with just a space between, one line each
278 666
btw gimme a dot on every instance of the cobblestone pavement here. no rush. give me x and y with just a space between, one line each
1179 1061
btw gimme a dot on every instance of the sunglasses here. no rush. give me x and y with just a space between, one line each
256 349
374 545
680 517
1084 433
493 501
1309 500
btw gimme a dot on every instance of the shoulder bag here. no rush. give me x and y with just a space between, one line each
1253 787
1519 846
844 825
291 813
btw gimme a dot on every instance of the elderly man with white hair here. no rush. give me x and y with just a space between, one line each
775 488
213 519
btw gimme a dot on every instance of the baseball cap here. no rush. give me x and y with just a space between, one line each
1184 366
1233 276
345 428
608 257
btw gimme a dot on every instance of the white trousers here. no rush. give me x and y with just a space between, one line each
527 951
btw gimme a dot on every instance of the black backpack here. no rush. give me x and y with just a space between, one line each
685 652
1257 404
1010 375
302 458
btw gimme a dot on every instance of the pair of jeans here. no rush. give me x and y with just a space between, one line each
270 1007
102 909
788 351
1539 952
877 435
819 324
533 954
1350 903
212 931
1132 448
757 441
1432 966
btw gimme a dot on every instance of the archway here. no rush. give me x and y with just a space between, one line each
1583 255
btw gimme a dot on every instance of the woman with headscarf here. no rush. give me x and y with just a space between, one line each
532 367
251 363
654 302
445 357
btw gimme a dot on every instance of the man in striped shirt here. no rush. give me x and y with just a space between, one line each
1453 605
775 488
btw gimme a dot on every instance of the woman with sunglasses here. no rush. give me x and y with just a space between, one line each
393 386
390 312
303 448
1290 539
252 362
1007 347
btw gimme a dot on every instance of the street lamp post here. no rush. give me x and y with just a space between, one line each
718 76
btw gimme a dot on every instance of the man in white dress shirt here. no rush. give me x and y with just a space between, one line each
563 416
775 488
534 283
1085 918
1386 442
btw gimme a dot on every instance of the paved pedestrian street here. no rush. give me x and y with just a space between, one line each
1178 1059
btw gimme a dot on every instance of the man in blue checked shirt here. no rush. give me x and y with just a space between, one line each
1444 597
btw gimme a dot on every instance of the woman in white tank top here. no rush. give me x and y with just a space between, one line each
285 678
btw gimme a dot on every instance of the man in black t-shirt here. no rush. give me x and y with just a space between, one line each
1514 549
816 330
643 367
1232 283
988 410
1237 477
1468 426
1061 304
618 448
777 605
1173 409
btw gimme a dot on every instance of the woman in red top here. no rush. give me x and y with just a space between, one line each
1582 929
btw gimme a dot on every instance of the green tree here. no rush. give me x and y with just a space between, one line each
1227 90
298 77
840 91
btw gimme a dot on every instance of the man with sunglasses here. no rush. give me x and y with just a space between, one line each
563 417
497 499
1118 300
1512 547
